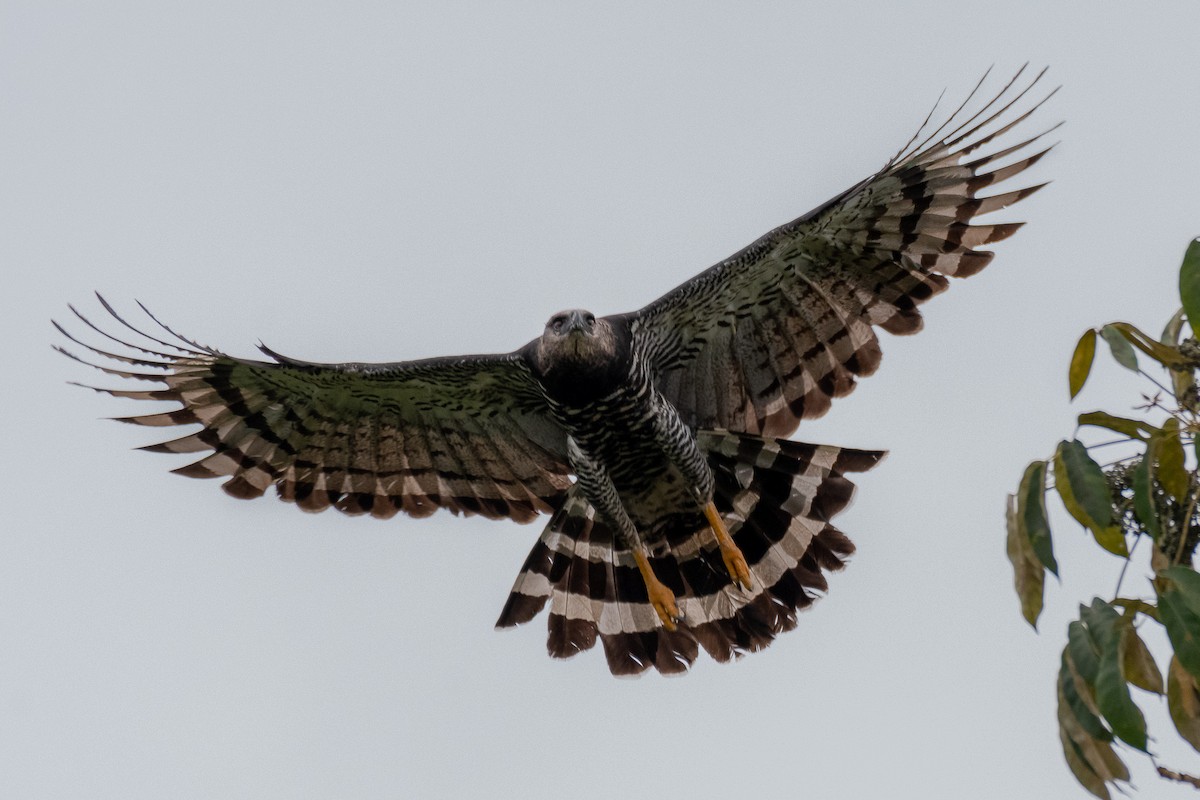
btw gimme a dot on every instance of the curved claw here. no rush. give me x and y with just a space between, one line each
662 598
731 554
663 601
736 566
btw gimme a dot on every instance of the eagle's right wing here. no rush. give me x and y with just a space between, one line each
767 337
469 434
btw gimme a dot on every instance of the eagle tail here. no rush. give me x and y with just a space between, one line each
777 498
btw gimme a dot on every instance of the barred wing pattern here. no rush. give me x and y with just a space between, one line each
767 337
744 351
468 434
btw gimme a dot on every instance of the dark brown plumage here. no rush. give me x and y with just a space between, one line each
626 428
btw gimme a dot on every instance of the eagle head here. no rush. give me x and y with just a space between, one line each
578 354
575 336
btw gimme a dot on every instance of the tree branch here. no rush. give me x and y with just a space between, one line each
1178 777
1138 605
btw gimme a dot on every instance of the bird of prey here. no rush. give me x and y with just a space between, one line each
680 516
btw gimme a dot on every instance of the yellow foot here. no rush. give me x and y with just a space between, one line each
662 598
735 565
663 601
735 562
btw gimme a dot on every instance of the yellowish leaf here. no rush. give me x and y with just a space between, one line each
1093 761
1028 573
1171 470
1183 701
1137 665
1081 361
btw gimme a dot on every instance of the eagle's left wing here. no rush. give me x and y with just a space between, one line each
767 337
468 433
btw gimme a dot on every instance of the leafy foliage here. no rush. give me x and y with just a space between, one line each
1149 495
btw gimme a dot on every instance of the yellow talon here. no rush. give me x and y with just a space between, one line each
735 562
662 598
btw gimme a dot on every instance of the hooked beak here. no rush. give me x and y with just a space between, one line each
576 323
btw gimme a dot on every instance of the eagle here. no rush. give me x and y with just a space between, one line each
681 518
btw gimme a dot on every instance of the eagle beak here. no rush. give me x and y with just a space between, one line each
577 323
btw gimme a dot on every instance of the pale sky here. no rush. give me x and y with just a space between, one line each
381 181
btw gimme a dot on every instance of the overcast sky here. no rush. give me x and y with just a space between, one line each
354 181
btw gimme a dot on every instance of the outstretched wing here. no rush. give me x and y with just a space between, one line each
767 337
468 434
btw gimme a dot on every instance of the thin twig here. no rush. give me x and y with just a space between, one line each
1125 566
1120 460
1126 440
1186 525
1179 777
1147 376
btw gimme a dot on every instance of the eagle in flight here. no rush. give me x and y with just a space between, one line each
680 518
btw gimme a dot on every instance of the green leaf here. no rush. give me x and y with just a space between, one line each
1137 665
1183 628
1028 573
1081 361
1080 698
1079 762
1171 469
1084 491
1031 514
1129 427
1122 350
1187 581
1183 383
1183 701
1085 739
1143 499
1103 625
1183 377
1170 334
1084 654
1163 354
1189 285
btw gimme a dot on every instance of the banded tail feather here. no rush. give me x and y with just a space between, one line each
777 498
